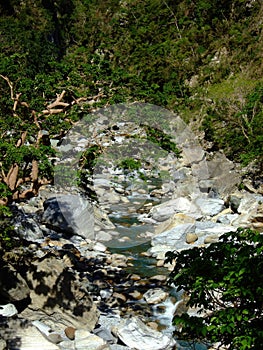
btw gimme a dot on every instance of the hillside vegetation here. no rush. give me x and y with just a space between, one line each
59 59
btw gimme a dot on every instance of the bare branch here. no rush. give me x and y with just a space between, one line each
52 111
10 84
58 101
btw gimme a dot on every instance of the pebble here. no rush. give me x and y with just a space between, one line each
153 325
70 332
135 277
191 238
211 239
136 295
120 297
158 278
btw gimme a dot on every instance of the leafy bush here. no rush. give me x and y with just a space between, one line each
7 240
162 140
224 282
236 126
130 164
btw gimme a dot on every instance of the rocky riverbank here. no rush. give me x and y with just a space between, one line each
66 288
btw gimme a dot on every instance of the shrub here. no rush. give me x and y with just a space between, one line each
224 281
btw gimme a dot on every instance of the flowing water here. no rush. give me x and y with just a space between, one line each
132 243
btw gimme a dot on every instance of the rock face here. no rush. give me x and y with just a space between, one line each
135 334
57 295
13 286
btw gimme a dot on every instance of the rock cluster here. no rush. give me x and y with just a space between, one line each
59 294
65 289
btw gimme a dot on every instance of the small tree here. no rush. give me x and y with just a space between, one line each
224 281
25 149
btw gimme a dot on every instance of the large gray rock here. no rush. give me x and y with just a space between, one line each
223 173
173 221
165 210
27 227
69 214
136 335
249 203
174 237
210 206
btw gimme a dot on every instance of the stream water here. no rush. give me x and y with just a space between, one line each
133 243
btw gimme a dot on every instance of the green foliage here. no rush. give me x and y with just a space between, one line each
7 241
90 157
237 127
163 140
224 282
130 164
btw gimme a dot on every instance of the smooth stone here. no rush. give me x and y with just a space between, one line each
67 345
85 340
158 251
119 297
165 210
191 238
206 228
153 325
117 260
105 333
249 204
175 220
158 278
135 277
160 263
257 226
136 295
210 206
135 334
155 296
174 237
8 310
227 219
100 247
46 331
70 332
103 236
211 239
